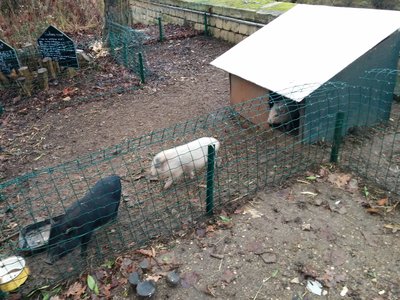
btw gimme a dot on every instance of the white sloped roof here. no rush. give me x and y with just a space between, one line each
307 45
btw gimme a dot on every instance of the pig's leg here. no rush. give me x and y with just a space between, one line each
175 174
84 243
168 183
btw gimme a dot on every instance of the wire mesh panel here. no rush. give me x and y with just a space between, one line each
372 150
96 214
250 157
126 44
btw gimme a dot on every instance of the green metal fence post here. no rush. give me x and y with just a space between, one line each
160 29
125 49
141 68
337 137
210 180
205 25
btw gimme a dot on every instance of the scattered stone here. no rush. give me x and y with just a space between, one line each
216 255
306 227
344 291
228 276
173 278
295 280
134 279
146 289
269 258
144 265
318 202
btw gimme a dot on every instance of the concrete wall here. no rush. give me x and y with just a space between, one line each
226 23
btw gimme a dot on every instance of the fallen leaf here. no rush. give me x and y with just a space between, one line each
382 202
373 210
149 253
209 290
238 211
394 227
308 271
92 284
309 193
126 266
155 278
253 212
339 179
323 172
210 228
106 291
76 290
100 275
225 219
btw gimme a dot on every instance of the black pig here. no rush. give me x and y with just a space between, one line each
284 115
98 207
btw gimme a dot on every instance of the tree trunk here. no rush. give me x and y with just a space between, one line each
118 11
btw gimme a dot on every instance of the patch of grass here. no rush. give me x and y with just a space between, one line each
24 21
250 4
284 6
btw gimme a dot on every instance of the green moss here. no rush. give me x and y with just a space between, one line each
251 4
284 6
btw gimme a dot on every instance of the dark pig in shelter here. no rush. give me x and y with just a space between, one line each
98 207
284 115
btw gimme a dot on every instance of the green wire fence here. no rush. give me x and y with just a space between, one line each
251 157
126 46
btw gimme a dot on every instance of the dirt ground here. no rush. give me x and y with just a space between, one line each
320 227
286 236
183 85
324 228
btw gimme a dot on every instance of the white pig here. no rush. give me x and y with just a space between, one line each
172 163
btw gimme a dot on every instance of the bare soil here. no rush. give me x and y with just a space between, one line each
267 248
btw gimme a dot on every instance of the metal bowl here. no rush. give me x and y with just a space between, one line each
13 273
35 237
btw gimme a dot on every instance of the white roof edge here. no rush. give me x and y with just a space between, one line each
306 45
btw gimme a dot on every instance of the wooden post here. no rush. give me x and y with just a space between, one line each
21 81
25 73
29 57
71 72
56 67
43 79
3 79
49 66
